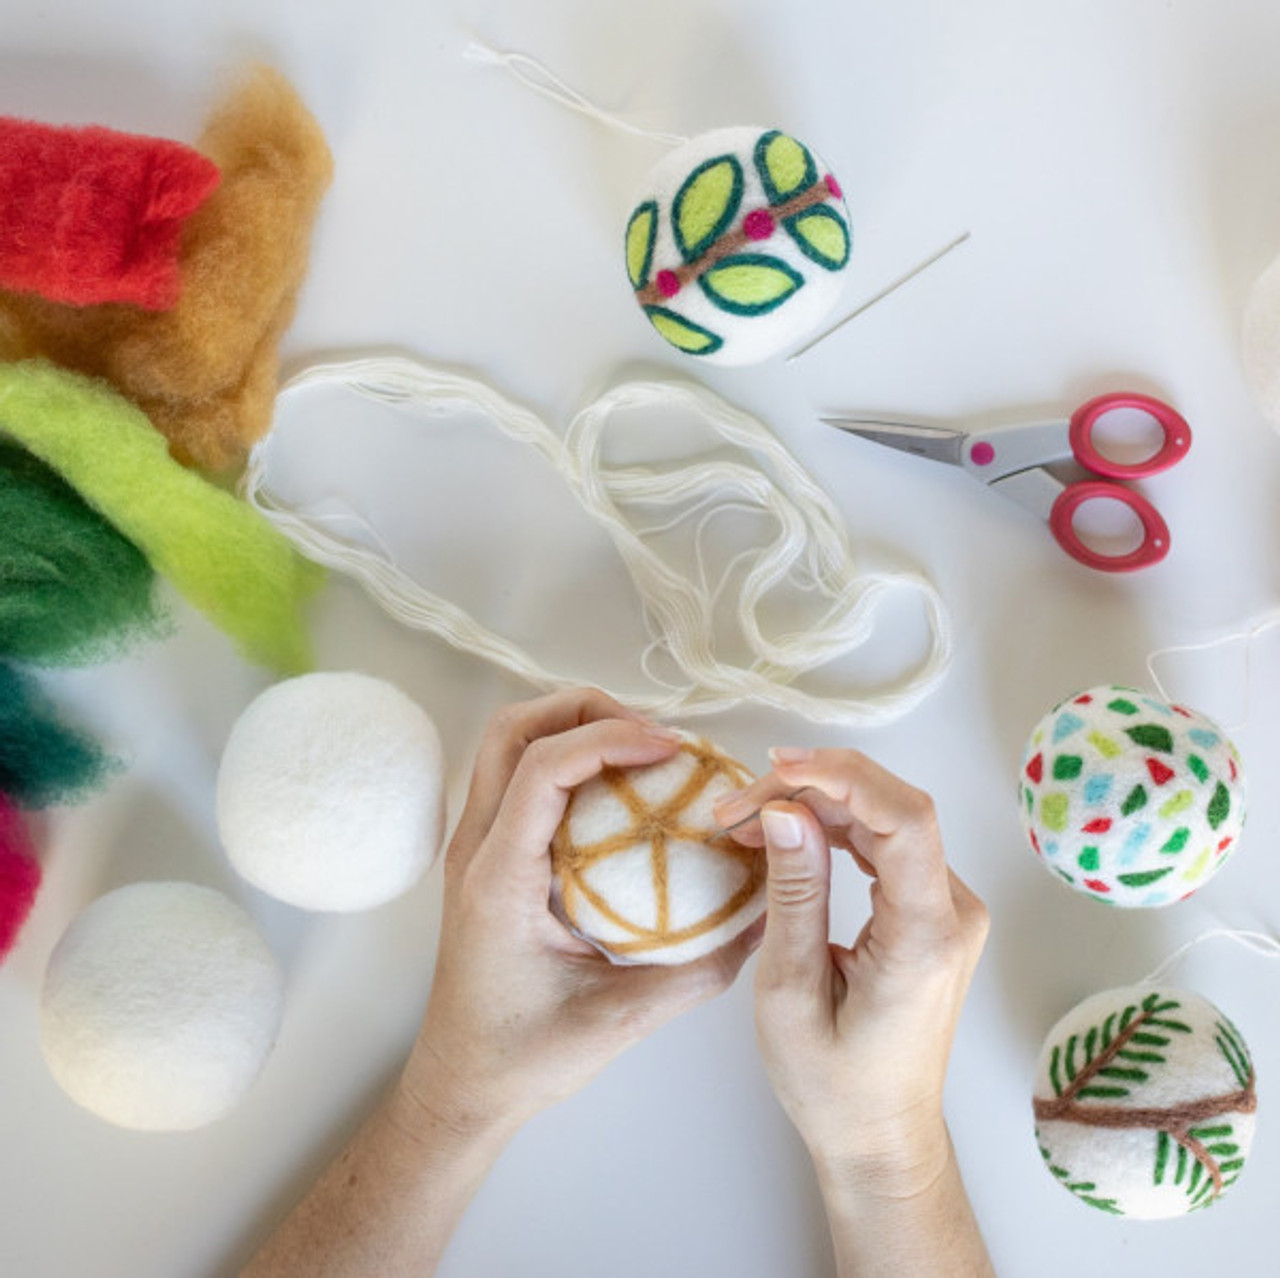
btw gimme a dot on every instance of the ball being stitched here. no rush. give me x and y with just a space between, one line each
1144 1102
638 869
737 244
331 792
160 1005
1131 799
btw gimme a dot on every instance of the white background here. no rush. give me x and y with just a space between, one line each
1115 161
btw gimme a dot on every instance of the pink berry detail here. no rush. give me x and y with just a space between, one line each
758 224
834 187
668 283
982 454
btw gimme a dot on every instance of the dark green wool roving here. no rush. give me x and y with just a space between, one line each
72 589
42 760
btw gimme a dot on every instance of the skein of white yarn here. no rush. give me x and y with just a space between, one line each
810 548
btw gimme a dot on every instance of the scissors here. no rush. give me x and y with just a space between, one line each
1013 460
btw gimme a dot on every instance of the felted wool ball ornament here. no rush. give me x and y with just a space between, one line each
160 1005
1131 799
1144 1102
638 868
737 244
331 792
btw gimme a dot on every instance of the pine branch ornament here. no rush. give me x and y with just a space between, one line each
1145 1101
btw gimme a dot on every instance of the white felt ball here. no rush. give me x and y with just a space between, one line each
1129 798
638 869
1261 342
160 1005
331 792
1144 1102
736 244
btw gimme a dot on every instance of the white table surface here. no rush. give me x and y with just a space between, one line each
1115 161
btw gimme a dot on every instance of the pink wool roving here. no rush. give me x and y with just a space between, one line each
19 875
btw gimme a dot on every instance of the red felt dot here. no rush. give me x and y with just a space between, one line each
1232 764
1035 769
1097 885
758 224
1035 843
834 187
1159 772
1186 714
1226 843
668 283
1099 826
1083 701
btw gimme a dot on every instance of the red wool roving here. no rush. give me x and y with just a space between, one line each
19 875
90 215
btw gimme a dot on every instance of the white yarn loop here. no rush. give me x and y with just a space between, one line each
534 75
1259 942
809 550
1248 635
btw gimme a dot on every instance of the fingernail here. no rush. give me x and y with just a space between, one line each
780 756
730 799
659 733
782 829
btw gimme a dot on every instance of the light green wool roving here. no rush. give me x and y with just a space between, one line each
217 551
72 589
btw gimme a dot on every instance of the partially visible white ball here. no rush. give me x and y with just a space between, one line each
331 792
1145 1101
1261 343
160 1005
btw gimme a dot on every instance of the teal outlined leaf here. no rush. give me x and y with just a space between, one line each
683 333
785 166
642 232
821 235
750 283
706 205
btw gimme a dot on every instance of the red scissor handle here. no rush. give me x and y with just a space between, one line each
1155 532
1177 436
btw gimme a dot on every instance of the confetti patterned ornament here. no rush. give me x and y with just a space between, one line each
1144 1102
1130 799
737 245
639 870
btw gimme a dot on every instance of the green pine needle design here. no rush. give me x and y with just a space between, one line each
1085 1190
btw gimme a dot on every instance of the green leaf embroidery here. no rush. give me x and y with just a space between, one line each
706 204
1232 1047
1151 736
750 283
786 168
1083 1189
1219 806
822 236
683 334
641 234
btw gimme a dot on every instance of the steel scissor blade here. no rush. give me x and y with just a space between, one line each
937 443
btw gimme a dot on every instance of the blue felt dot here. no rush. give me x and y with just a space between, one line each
1206 740
1097 788
1134 844
1158 706
1156 898
1066 725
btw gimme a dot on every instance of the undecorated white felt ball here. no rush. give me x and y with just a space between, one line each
1260 343
160 1005
737 244
1144 1102
1129 798
638 868
331 792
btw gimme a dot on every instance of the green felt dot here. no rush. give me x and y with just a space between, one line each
1197 765
1135 799
1053 811
1177 840
1088 859
1121 706
1143 877
1151 736
1066 767
1179 803
1219 806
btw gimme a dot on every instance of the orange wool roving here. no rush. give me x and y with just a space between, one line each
205 371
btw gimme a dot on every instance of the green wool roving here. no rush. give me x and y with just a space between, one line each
42 760
72 589
222 555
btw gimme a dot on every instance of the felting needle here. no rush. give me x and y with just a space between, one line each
881 295
752 816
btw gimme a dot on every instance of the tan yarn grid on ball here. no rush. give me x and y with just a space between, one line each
659 826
